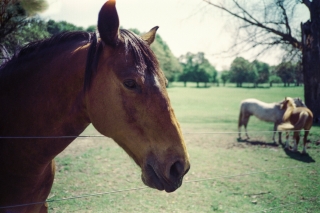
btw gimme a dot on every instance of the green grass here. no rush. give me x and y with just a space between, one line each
98 165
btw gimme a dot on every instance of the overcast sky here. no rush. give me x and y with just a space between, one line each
185 25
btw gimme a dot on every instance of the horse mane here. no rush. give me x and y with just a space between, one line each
35 47
8 71
291 103
144 58
290 106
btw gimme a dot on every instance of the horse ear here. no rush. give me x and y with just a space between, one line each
150 36
108 23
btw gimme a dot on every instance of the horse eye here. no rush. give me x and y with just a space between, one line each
130 84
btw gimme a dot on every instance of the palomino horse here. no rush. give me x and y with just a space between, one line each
58 86
296 118
270 112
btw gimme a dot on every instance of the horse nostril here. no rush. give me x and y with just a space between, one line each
177 170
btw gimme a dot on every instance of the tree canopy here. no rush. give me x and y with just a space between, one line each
168 62
188 68
273 24
286 71
54 27
18 25
196 68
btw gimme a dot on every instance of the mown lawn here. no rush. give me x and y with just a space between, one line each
226 175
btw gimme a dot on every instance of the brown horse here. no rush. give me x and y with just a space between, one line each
296 118
58 86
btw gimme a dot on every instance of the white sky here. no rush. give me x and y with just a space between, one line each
185 25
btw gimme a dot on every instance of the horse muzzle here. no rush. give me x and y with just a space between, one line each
166 176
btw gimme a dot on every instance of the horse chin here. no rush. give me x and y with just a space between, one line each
151 179
153 183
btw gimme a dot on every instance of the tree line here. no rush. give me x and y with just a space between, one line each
257 72
279 24
196 68
19 26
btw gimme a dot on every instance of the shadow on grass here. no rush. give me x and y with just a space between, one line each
257 143
251 87
306 158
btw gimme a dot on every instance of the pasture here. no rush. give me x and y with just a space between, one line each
226 175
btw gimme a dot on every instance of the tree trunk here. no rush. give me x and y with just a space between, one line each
311 59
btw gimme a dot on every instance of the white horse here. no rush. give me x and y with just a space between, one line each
270 112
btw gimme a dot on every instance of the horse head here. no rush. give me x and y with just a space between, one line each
288 102
299 102
127 101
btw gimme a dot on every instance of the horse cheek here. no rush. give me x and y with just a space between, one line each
99 103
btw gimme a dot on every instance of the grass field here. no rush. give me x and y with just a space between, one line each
226 175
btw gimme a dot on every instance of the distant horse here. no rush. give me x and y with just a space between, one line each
57 87
296 118
270 112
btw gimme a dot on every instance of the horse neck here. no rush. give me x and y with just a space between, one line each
49 102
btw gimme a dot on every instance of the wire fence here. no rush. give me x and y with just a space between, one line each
102 136
145 187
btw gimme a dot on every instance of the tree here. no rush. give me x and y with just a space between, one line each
18 25
168 62
252 75
91 28
285 71
54 27
298 75
262 72
15 14
187 64
270 24
196 68
240 71
36 29
225 75
274 79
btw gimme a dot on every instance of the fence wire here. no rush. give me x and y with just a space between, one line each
102 136
145 187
